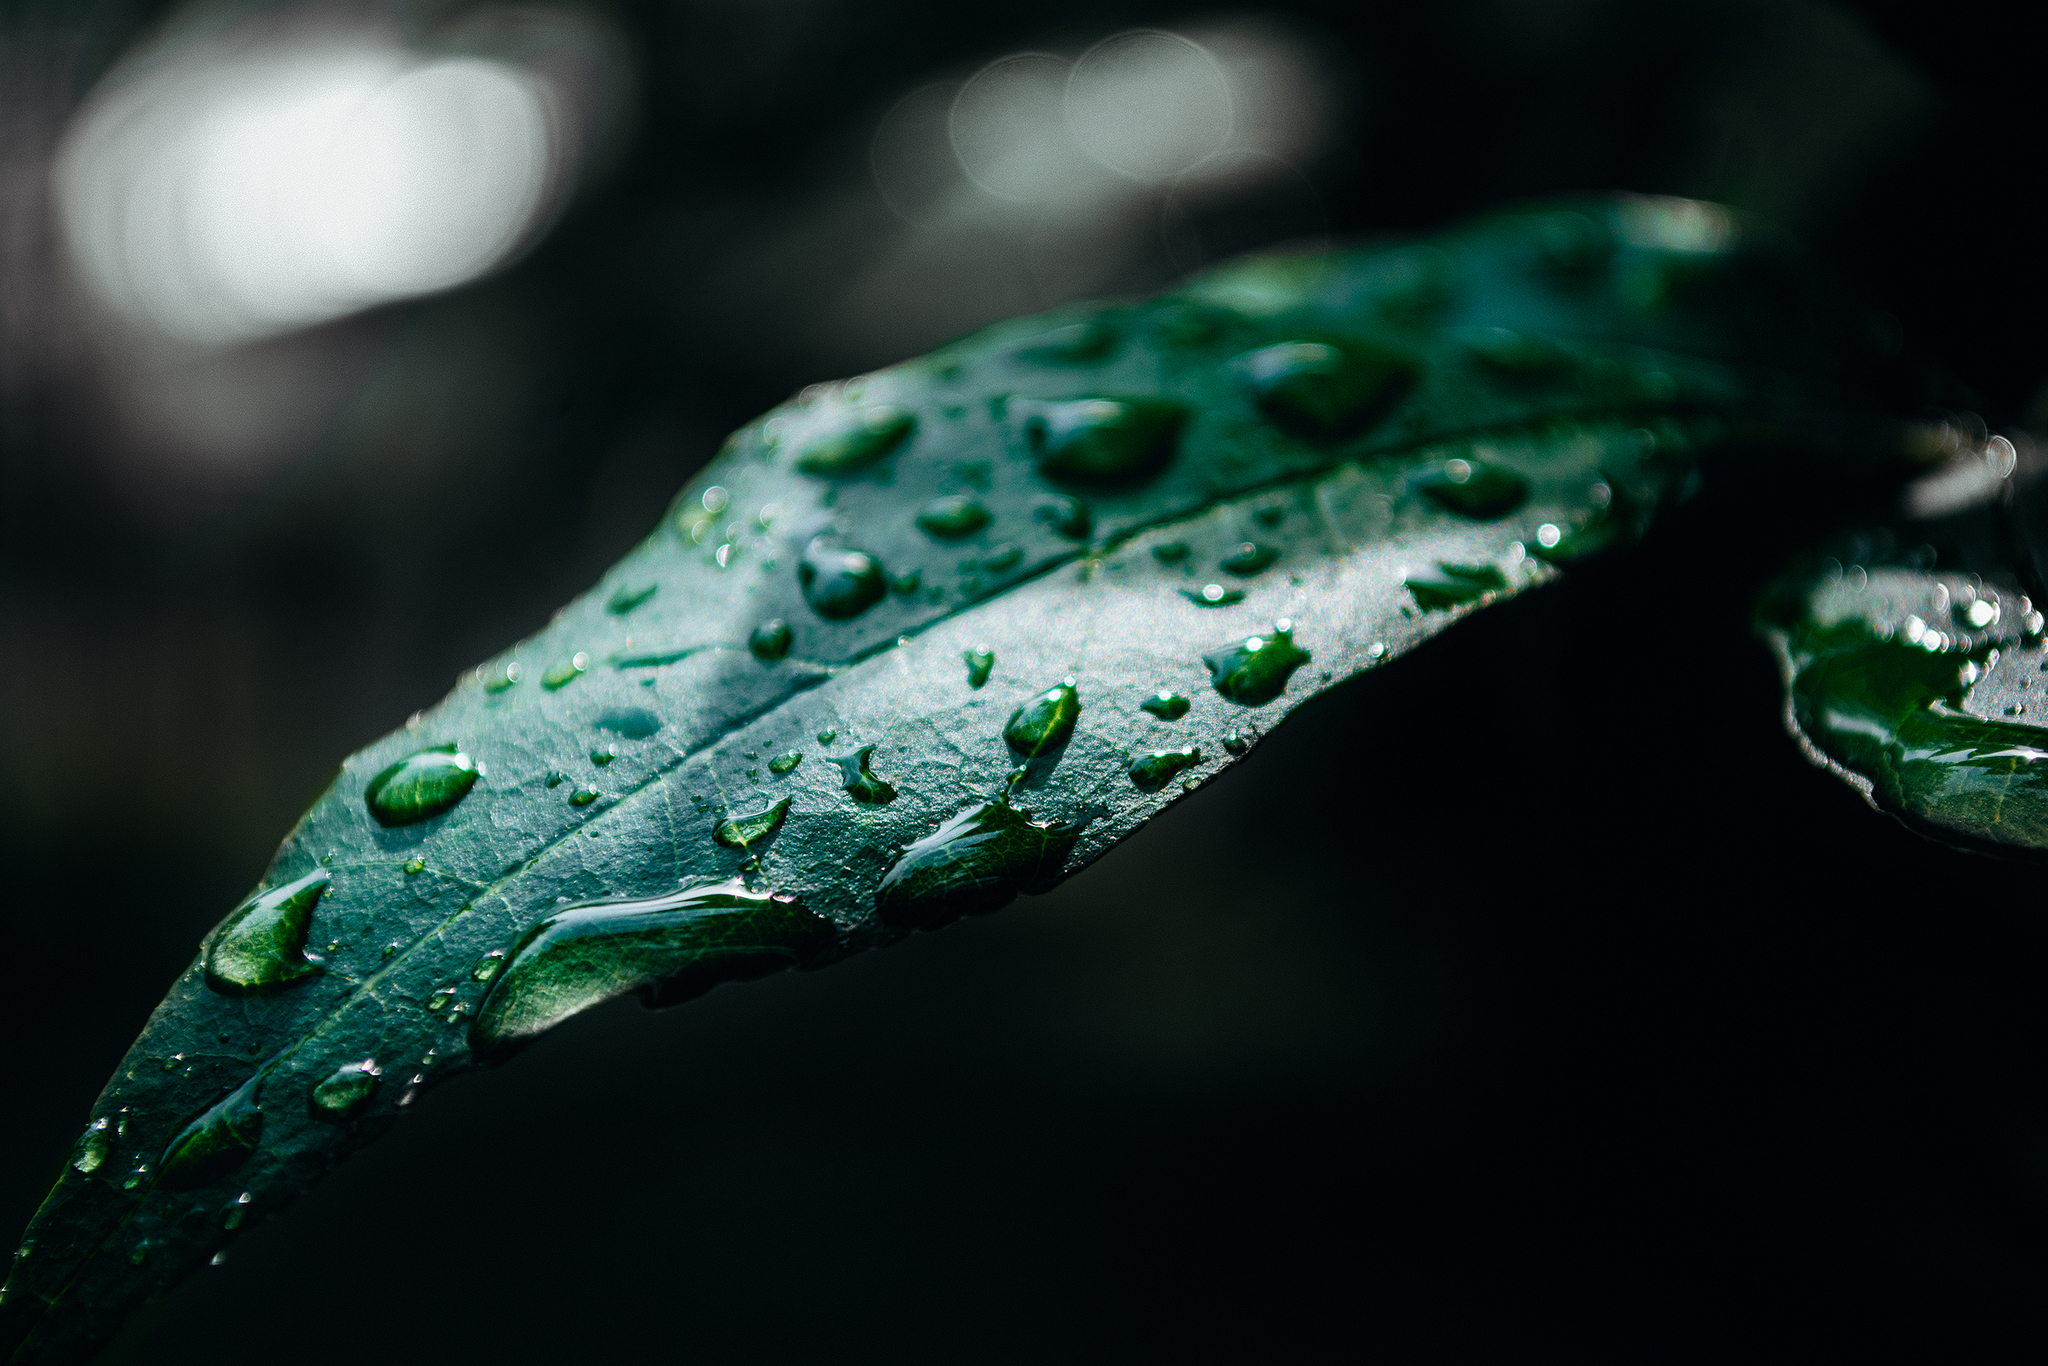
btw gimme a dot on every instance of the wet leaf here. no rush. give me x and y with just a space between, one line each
529 847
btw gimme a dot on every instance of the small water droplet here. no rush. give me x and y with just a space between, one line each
951 517
981 662
1248 559
345 1090
1448 585
1044 723
566 672
905 584
863 785
486 967
92 1148
1167 706
1170 552
826 737
136 1177
1320 390
783 763
260 947
742 832
442 998
1107 441
1004 557
840 584
415 865
1069 517
555 778
604 754
498 679
1237 742
771 640
1159 767
1254 671
420 786
1213 595
626 599
583 796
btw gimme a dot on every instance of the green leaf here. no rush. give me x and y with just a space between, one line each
961 587
1913 666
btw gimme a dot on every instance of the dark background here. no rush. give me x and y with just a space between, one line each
1531 999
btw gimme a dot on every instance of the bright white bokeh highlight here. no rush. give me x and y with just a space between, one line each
232 193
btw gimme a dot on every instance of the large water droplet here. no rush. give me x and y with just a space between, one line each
1159 767
1167 706
1448 585
771 640
1255 670
420 786
668 948
345 1090
1475 489
217 1142
1248 559
981 662
840 584
951 517
840 439
261 945
1107 441
858 781
741 832
92 1148
1044 723
1323 391
976 862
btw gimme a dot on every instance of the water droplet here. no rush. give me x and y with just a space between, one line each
415 865
1069 517
840 439
217 1142
626 599
260 947
555 778
1078 344
741 832
1254 671
233 1213
140 1254
499 679
604 754
420 786
1170 552
566 672
1323 391
1046 722
840 584
442 998
668 948
1100 440
1451 584
976 862
136 1177
783 763
346 1090
951 517
1167 706
981 662
1475 489
826 737
1002 559
1513 355
771 640
583 796
1158 768
1237 742
1248 559
906 584
857 780
1213 595
92 1148
1614 518
629 723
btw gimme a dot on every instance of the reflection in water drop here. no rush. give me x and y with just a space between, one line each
771 640
981 662
260 946
861 784
741 832
1044 723
783 763
420 786
345 1090
1254 671
976 862
840 584
1167 706
1160 766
